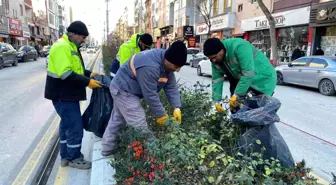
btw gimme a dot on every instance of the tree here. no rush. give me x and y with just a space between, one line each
204 7
271 22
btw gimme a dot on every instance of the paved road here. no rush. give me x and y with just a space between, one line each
24 114
305 109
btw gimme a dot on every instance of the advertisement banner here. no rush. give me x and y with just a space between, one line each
15 27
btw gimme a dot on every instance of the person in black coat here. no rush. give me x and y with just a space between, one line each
319 51
296 53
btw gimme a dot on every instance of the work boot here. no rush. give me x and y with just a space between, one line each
65 162
80 163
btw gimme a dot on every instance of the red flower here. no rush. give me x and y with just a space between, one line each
161 166
151 176
153 166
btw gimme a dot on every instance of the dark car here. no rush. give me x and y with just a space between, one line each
45 51
27 52
8 55
197 58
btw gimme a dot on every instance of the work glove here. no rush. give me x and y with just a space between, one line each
161 120
95 74
235 102
177 115
219 107
94 84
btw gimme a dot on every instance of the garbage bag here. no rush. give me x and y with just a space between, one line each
97 114
257 117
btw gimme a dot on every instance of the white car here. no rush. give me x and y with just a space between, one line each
91 49
190 53
204 67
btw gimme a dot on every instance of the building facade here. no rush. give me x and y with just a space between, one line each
4 20
148 4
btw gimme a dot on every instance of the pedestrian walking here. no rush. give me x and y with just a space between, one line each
319 51
65 87
143 76
137 43
246 67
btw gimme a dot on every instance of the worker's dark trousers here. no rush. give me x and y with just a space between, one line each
71 129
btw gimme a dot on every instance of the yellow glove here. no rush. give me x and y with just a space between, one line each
95 74
177 115
234 103
161 120
94 84
219 107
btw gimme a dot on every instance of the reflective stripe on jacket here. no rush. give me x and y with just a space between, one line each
249 66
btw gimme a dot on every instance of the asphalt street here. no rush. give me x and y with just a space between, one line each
24 114
302 108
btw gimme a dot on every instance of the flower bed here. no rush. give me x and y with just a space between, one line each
202 150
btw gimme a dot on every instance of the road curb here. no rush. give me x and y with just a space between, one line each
41 155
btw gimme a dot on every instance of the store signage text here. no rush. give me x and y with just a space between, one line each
326 14
15 27
279 21
288 18
188 31
217 23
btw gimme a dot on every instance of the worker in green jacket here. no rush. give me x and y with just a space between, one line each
247 69
137 43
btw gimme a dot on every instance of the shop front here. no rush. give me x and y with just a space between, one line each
156 37
15 32
323 25
221 27
4 30
26 36
291 32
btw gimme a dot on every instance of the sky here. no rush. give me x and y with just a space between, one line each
93 14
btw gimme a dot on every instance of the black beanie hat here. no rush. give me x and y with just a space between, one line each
212 46
146 39
177 53
79 28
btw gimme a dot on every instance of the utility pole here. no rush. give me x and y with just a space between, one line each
107 18
104 33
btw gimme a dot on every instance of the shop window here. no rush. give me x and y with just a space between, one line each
289 38
240 8
215 7
253 1
261 40
21 10
318 63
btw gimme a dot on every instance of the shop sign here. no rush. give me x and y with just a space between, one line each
326 14
217 23
26 34
288 18
191 42
15 27
188 31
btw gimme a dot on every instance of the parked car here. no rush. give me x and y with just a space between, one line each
45 51
197 58
313 71
27 52
91 49
190 53
204 67
8 55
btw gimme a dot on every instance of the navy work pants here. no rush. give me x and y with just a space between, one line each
71 129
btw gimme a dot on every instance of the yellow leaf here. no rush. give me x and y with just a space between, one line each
211 179
212 164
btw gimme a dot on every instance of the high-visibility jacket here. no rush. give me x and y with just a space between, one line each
129 48
247 65
66 76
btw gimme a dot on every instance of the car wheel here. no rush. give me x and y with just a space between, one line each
15 62
199 71
190 63
280 79
1 63
326 87
25 59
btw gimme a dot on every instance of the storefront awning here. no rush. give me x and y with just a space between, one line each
21 38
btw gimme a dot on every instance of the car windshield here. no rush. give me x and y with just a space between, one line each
91 47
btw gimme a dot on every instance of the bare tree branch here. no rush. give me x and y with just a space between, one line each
271 22
204 7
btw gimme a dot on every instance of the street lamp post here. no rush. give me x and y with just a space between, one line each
107 18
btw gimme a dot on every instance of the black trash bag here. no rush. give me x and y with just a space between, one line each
257 117
97 114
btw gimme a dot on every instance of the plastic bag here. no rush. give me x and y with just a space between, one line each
97 114
257 118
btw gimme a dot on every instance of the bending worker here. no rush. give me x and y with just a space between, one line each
137 43
143 76
247 69
65 86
